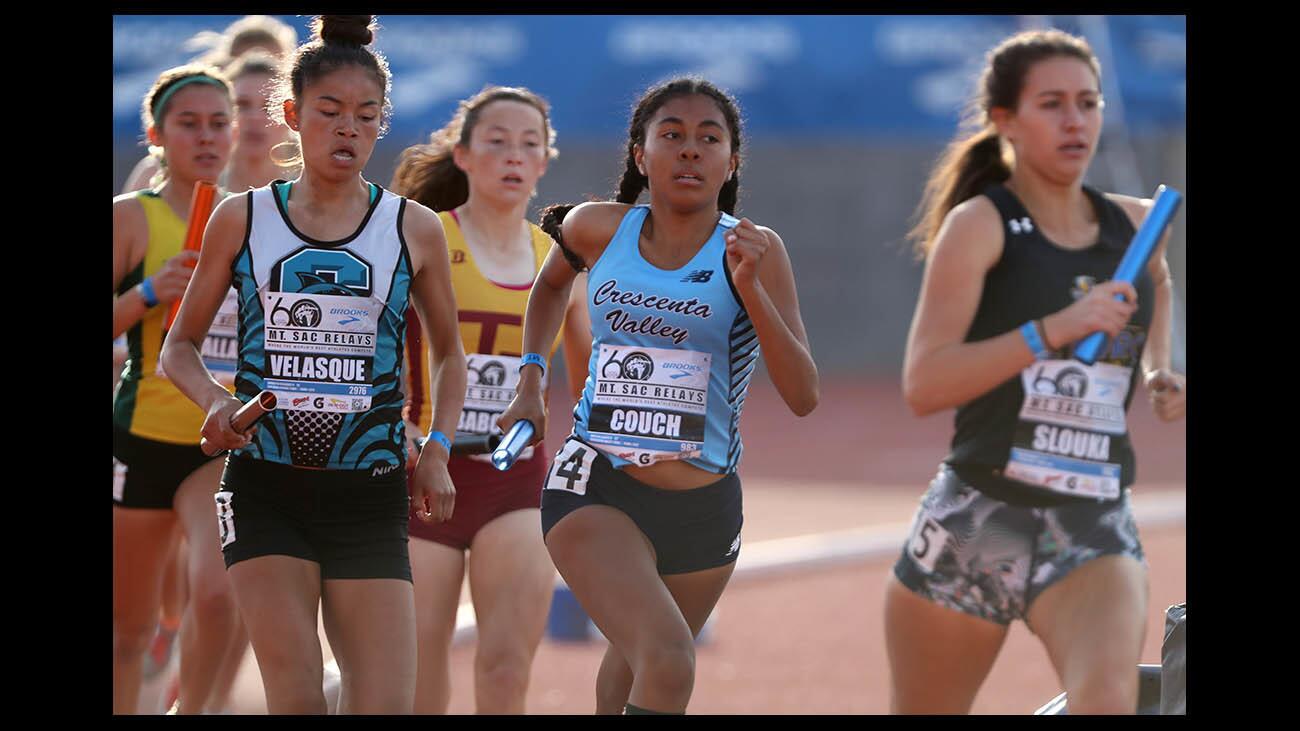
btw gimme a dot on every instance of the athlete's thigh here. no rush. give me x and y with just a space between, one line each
610 567
511 580
278 597
938 656
370 624
141 539
697 592
437 572
1094 619
195 507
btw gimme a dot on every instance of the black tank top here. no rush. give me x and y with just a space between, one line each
1055 433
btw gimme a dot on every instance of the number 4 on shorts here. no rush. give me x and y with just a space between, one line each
572 468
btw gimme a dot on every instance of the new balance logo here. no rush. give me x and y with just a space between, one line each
1021 225
698 276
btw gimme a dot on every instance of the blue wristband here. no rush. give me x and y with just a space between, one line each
146 291
442 439
1029 331
534 358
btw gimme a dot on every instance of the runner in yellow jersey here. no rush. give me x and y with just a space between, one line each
159 473
480 172
248 53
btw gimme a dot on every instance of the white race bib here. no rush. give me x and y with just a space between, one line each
320 350
1070 415
221 345
650 404
490 387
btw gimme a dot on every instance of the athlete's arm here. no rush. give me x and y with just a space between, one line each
1167 389
410 409
432 493
761 271
577 336
940 370
181 357
129 233
586 230
169 282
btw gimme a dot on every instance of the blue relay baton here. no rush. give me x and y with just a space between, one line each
514 441
1135 259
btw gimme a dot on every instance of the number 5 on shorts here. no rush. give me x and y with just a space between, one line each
572 468
928 541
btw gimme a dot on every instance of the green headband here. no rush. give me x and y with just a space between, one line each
161 101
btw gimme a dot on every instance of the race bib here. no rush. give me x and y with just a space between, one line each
320 350
572 467
1069 417
650 404
221 345
490 386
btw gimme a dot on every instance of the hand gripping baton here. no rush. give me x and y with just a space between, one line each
1135 259
244 419
514 441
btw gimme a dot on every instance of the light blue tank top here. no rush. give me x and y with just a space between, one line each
671 357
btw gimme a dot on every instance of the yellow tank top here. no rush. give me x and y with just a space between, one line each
491 319
146 404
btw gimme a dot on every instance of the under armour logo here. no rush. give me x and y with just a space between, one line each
698 276
1021 225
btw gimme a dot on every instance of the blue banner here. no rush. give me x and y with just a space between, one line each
882 76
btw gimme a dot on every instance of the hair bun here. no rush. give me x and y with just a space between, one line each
345 30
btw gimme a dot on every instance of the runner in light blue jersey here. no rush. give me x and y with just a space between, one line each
682 294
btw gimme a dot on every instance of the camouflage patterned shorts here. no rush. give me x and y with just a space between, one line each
981 556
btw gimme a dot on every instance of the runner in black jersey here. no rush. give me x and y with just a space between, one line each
1029 516
313 507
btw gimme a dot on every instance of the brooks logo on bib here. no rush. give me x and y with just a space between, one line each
320 350
650 403
1069 416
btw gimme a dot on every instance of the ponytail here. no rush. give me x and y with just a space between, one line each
966 168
